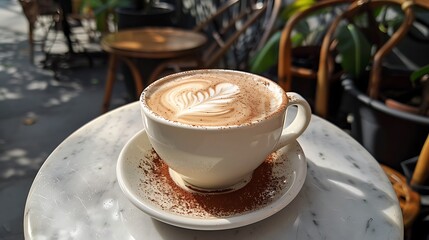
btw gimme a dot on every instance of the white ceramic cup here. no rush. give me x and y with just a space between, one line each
218 157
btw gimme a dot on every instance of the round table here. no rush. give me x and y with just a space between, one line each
149 43
76 195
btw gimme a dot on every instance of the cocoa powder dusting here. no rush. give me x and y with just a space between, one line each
164 193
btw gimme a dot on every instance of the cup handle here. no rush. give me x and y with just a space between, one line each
299 124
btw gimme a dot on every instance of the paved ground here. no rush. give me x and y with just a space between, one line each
37 111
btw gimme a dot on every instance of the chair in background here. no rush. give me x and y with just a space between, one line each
235 31
47 18
42 14
298 62
361 15
409 200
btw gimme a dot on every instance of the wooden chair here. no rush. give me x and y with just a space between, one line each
381 78
46 17
298 64
42 14
233 33
371 31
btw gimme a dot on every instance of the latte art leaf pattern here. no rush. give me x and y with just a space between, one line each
214 98
208 102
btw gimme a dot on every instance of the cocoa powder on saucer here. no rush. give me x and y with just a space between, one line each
163 191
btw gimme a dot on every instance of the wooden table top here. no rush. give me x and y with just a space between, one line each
153 42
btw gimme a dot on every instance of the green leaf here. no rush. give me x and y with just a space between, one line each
354 50
100 21
419 73
297 39
268 56
296 6
303 28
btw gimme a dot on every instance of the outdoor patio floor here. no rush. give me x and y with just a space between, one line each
37 112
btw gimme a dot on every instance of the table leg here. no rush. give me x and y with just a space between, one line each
31 41
111 77
138 80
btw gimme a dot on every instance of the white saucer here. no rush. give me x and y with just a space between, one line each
154 195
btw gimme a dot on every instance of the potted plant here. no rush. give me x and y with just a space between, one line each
390 134
102 11
145 13
127 14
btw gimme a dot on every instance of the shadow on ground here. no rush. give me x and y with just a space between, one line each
37 112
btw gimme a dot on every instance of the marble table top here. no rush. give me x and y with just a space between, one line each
75 195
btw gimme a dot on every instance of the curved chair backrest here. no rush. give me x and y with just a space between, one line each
375 76
33 9
236 26
285 67
361 7
422 3
233 32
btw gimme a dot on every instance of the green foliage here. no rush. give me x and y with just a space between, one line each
267 57
417 75
101 9
100 6
302 33
354 50
295 7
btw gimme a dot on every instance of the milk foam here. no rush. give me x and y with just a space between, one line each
213 98
213 101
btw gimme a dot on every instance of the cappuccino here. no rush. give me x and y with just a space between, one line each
214 98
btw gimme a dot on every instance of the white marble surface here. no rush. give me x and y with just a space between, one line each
76 195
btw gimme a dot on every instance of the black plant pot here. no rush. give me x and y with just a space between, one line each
159 15
408 166
391 136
